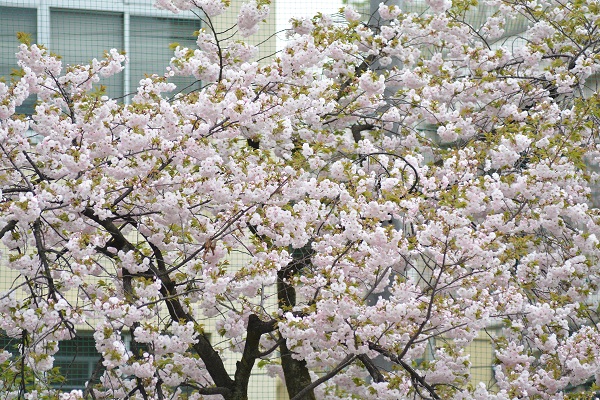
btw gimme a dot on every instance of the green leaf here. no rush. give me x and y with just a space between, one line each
24 38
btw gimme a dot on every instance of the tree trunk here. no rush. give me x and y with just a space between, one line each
296 374
295 371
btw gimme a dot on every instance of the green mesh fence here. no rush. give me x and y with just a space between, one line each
82 30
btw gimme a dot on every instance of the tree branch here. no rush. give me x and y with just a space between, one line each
372 368
9 227
413 374
357 129
297 377
345 362
89 391
256 328
212 360
208 391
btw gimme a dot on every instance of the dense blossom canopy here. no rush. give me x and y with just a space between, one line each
394 192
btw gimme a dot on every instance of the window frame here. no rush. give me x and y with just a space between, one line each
128 9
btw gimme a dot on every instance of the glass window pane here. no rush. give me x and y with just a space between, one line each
149 51
9 344
77 359
80 35
13 20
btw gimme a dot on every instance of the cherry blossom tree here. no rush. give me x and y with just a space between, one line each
394 192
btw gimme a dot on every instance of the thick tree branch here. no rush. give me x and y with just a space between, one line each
357 131
209 391
212 359
256 328
297 377
345 362
203 348
372 368
118 239
415 377
8 227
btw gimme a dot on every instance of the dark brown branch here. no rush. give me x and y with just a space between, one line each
39 173
256 328
66 98
208 391
159 391
15 190
218 235
94 378
421 380
413 374
218 44
22 386
297 377
41 249
255 144
210 357
357 129
9 227
372 368
118 239
345 362
364 66
429 308
123 195
129 189
272 349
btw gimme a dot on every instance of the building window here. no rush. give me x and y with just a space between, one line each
79 35
76 359
13 20
150 38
